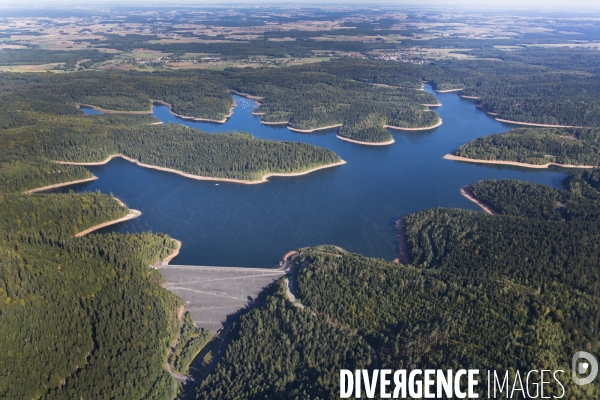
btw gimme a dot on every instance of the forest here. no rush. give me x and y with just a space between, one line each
516 290
37 56
193 94
538 146
280 351
579 202
539 85
80 317
45 126
94 138
341 92
307 97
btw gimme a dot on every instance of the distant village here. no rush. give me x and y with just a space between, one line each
167 60
402 56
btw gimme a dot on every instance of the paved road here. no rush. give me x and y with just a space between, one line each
179 377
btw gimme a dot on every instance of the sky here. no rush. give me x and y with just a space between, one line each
521 4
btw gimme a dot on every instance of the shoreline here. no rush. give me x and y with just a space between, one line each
387 143
493 114
132 214
246 95
507 121
104 111
289 254
316 129
274 123
466 192
120 202
217 121
394 87
448 90
205 178
514 163
57 185
426 128
469 97
174 254
164 103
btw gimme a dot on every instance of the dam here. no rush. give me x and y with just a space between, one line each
212 293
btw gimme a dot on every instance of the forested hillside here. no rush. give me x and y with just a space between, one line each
538 146
579 202
42 127
279 351
519 290
94 138
538 85
511 197
22 175
57 215
228 155
431 318
37 56
191 93
341 92
80 317
308 97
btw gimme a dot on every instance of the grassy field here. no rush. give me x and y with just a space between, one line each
31 68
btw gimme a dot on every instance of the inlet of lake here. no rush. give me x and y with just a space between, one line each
354 206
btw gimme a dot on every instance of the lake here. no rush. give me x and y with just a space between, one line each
354 206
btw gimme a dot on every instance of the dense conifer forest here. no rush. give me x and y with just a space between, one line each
37 56
308 97
543 86
538 146
80 317
511 197
43 125
579 202
280 351
201 94
341 92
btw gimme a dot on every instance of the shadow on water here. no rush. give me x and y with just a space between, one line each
353 206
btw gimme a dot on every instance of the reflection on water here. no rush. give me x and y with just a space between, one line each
353 206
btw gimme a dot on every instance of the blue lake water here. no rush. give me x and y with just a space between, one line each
90 111
354 206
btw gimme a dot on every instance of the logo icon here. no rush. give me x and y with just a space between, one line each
580 367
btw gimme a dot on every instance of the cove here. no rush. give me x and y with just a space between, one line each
354 206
